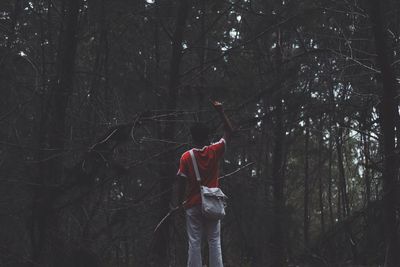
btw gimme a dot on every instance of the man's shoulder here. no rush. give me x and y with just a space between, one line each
185 155
221 144
220 141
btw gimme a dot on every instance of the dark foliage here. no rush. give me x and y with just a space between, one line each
97 100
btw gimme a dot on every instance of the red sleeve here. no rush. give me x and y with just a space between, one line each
219 147
183 167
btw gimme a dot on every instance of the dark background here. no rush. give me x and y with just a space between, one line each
97 97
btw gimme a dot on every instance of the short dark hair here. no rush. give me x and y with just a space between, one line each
199 132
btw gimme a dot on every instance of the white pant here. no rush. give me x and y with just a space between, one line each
196 224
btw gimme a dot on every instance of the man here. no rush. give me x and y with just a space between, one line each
207 157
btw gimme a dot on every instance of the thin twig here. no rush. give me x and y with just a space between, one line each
238 170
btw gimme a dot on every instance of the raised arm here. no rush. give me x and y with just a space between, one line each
226 122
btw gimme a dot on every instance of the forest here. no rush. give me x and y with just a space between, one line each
97 98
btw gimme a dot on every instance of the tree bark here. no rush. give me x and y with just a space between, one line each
388 110
342 176
330 206
44 225
168 170
277 238
320 180
306 218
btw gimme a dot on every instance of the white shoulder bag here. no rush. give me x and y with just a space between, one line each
213 200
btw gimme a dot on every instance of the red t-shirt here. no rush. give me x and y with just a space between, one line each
208 163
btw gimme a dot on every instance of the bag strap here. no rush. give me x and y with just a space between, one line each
195 167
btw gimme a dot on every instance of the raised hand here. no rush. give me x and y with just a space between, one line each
217 105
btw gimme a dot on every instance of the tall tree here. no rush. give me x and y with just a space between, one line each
306 223
168 171
277 241
388 115
52 136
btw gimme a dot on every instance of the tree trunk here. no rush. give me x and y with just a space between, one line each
277 238
330 206
168 170
388 113
342 177
365 142
320 181
306 218
44 225
202 56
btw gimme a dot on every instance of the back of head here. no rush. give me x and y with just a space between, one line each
199 132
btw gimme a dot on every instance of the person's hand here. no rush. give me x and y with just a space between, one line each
173 207
217 106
